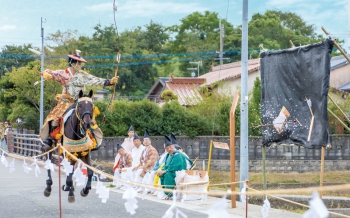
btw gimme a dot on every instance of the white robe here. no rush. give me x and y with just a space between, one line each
136 155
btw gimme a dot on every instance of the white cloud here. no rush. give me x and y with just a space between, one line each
7 27
141 8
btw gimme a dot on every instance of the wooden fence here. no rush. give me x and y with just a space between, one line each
26 144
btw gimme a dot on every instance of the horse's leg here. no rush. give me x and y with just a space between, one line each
69 180
69 185
47 191
85 191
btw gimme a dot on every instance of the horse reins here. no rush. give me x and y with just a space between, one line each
80 118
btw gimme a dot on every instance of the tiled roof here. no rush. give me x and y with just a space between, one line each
161 81
229 71
186 89
338 61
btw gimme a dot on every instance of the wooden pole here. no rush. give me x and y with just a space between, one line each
346 117
338 47
322 169
264 168
340 121
210 153
232 147
59 183
209 158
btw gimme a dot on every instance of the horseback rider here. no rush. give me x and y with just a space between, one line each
73 79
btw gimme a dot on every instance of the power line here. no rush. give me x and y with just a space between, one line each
228 3
24 56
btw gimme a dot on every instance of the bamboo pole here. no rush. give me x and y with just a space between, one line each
264 167
346 117
291 44
322 169
338 47
232 148
311 127
335 116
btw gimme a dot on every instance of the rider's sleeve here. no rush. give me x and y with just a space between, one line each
90 80
59 76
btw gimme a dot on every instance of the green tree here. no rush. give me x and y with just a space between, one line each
274 29
254 114
14 56
198 33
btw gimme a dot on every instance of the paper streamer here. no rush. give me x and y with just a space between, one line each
25 167
218 209
266 208
12 166
37 168
173 211
131 201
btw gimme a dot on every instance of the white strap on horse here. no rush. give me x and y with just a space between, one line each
84 99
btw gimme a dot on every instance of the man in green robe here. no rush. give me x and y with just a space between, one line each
174 161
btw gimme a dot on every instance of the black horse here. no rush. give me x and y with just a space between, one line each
76 140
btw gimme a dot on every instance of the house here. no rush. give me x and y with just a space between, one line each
157 89
340 74
184 87
100 94
229 76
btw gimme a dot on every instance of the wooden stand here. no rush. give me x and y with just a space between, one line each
232 147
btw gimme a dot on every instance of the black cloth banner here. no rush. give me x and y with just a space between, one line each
288 79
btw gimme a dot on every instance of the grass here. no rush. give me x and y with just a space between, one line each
313 178
257 178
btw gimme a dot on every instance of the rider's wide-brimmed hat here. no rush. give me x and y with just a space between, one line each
76 56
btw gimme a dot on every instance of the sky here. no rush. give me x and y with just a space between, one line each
20 20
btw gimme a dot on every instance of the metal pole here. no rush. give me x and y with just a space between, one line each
198 68
42 78
244 97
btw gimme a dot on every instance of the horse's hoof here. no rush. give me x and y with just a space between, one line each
71 199
46 193
83 194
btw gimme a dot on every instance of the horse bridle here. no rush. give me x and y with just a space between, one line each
80 117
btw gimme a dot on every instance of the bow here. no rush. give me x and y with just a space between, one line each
110 103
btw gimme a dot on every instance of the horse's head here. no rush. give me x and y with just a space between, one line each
84 109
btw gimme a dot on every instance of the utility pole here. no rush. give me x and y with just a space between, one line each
42 78
199 63
221 42
221 52
243 166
